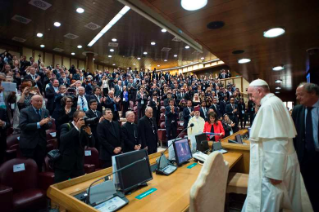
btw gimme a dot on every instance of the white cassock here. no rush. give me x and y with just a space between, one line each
272 155
198 125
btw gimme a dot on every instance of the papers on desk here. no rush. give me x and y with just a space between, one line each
9 86
211 135
111 205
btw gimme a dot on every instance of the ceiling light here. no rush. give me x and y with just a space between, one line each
133 64
138 58
93 59
80 10
186 47
111 50
244 60
192 5
113 64
274 32
40 35
164 30
79 47
108 26
153 43
158 65
277 92
72 53
57 24
278 68
278 81
175 55
278 88
42 46
202 58
110 55
165 60
145 53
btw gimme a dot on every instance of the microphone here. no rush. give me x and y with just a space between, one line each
107 177
162 154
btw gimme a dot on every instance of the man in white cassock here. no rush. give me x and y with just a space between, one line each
198 122
274 176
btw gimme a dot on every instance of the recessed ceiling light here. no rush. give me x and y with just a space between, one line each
158 65
278 88
153 43
79 46
165 60
113 64
39 34
111 50
215 25
145 53
114 39
244 60
164 30
93 58
278 81
186 47
192 5
277 92
42 46
80 10
202 58
72 53
278 68
274 32
175 55
57 24
138 58
110 55
238 51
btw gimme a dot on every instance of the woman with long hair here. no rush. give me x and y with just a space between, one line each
213 125
228 125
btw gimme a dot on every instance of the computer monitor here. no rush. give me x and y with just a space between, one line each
182 151
200 146
239 139
135 175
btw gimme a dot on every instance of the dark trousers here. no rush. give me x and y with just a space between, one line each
242 120
37 154
62 175
310 172
140 112
116 116
171 131
125 108
251 119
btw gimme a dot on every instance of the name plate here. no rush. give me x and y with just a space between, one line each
192 165
146 193
19 167
87 153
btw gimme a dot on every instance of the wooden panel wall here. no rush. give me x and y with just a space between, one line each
66 62
48 59
81 64
27 52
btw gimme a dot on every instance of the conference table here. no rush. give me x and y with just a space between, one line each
172 192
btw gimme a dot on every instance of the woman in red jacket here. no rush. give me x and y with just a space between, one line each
214 126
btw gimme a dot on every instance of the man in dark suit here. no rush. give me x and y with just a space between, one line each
64 80
4 125
129 133
36 78
188 112
232 112
94 113
203 110
147 131
118 89
97 96
155 105
241 113
112 103
251 111
74 137
34 121
306 117
110 139
50 94
216 108
171 115
142 102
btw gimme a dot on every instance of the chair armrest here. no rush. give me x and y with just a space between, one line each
89 168
6 194
45 180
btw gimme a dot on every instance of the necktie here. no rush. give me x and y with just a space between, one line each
95 113
82 102
310 143
39 114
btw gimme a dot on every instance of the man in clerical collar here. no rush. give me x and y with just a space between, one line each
129 133
198 122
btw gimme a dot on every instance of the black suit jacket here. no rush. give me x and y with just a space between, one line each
99 106
109 139
171 116
216 109
31 136
50 95
298 115
202 113
90 114
129 135
139 99
186 115
72 143
229 111
147 137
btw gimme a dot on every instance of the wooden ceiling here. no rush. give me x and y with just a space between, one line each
245 21
133 32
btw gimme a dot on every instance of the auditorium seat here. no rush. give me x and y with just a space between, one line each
19 191
91 160
208 193
12 146
237 183
162 134
162 109
162 103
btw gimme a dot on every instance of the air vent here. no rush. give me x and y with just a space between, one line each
92 26
43 5
111 44
176 39
166 49
21 40
21 19
71 36
58 50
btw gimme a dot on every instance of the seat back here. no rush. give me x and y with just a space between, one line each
22 180
209 190
93 158
12 141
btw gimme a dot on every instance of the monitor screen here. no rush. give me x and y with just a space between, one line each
136 174
238 139
182 151
199 138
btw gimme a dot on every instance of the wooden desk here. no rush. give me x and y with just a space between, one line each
172 191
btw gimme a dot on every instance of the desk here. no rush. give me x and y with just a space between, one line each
172 191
